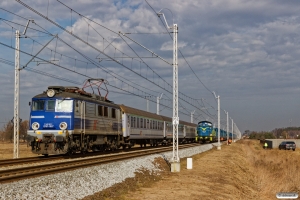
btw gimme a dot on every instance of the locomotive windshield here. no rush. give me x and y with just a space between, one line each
50 105
205 124
63 105
57 105
38 105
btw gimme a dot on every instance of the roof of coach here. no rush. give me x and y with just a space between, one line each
187 123
143 113
138 112
75 93
167 119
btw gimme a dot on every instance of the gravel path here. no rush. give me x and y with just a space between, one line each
79 183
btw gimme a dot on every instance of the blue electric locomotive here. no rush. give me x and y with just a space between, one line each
64 120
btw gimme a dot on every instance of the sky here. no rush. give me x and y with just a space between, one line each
246 52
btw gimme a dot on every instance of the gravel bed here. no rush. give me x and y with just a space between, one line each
79 183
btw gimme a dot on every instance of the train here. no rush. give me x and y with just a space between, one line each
68 120
206 132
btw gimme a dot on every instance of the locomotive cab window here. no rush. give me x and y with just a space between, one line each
38 105
50 105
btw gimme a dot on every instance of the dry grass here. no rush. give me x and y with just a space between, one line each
243 170
274 170
7 150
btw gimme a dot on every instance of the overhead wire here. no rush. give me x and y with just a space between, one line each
61 53
77 37
181 52
124 34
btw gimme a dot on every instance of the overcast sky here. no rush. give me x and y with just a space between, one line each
246 51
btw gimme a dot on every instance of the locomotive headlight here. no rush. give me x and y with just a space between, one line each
50 93
35 126
63 126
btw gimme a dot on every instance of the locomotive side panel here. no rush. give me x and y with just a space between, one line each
97 119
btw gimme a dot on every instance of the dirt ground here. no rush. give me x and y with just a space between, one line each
243 170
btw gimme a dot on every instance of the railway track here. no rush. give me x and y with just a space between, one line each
14 174
40 159
27 160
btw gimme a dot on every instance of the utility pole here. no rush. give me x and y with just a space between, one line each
16 96
218 98
147 105
16 118
232 128
175 161
157 104
192 116
147 98
227 126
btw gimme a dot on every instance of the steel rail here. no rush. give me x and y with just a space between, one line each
15 174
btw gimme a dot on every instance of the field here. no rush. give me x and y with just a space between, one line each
7 149
243 170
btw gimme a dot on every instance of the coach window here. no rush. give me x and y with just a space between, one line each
113 113
131 122
134 124
141 122
145 123
105 111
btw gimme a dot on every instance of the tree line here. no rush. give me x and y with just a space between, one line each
7 131
278 133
